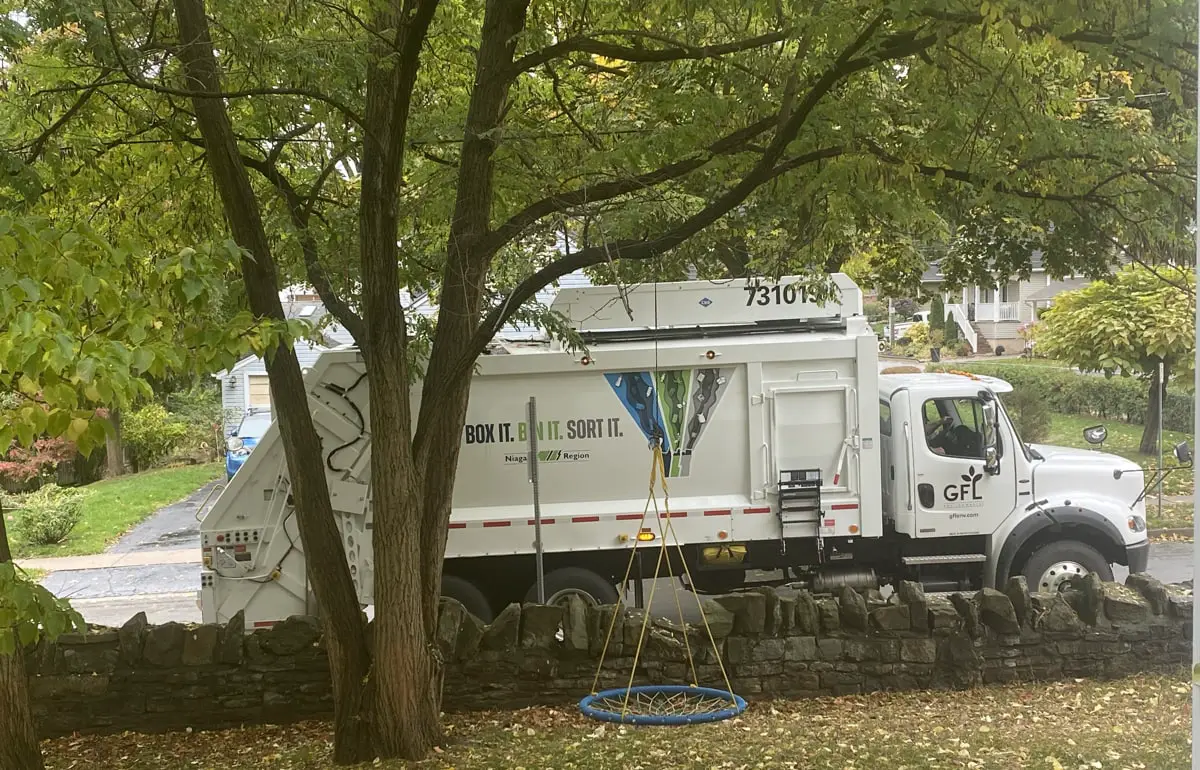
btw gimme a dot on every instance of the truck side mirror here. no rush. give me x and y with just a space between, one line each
991 452
1183 453
1095 434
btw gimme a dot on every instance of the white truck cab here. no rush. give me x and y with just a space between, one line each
954 467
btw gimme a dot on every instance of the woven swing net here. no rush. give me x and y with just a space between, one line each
661 704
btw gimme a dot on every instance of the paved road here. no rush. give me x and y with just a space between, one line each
174 526
144 580
110 596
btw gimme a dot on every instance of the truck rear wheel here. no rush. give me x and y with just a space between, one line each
594 589
1050 567
465 593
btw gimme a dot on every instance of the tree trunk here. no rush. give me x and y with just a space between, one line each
19 748
345 634
735 256
406 708
1155 398
114 447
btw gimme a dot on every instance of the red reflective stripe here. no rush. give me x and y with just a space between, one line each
673 515
844 507
584 519
757 510
497 523
265 623
533 523
628 516
726 512
458 525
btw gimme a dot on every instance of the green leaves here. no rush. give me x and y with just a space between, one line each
87 331
29 612
1127 324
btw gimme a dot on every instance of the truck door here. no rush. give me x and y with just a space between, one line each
955 493
886 457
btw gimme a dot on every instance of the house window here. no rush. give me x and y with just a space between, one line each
986 294
258 389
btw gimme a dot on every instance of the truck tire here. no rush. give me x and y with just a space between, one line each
1051 566
594 589
471 598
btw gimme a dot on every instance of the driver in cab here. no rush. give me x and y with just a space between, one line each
946 438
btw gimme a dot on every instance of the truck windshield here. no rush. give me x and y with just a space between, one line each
1030 452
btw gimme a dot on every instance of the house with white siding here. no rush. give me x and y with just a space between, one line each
997 312
245 386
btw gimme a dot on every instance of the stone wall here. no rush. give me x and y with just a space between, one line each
773 643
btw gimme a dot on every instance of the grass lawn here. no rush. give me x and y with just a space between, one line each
116 505
1123 439
1140 722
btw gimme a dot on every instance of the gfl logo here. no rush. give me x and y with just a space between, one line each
959 492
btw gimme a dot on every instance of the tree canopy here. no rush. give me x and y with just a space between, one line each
1127 326
482 149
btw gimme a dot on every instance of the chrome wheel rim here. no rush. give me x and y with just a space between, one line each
1058 574
560 598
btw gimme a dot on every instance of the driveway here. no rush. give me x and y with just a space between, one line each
169 528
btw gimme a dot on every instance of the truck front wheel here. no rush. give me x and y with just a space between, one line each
1050 567
594 589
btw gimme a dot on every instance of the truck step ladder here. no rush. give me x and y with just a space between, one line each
800 502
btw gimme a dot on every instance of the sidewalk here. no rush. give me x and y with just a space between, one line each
108 560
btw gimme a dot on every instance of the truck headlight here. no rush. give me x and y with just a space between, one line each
1137 524
233 443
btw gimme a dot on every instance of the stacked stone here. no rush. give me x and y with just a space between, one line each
777 642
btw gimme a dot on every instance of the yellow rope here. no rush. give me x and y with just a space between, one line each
658 477
699 603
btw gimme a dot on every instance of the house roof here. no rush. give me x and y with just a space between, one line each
933 273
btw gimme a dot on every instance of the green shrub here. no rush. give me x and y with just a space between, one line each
1066 391
200 408
875 311
49 514
152 434
937 314
918 334
1030 413
952 332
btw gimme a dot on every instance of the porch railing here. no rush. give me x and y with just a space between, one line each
965 329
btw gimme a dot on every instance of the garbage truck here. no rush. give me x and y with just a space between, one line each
786 456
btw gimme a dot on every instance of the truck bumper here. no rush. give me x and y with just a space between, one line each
1137 556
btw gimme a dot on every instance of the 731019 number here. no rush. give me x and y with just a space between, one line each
774 295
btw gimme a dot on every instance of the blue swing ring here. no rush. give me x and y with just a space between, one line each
667 704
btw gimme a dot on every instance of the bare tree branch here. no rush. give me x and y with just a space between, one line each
678 51
300 211
134 79
595 193
39 143
769 167
976 180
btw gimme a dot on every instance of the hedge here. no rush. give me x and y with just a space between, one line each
1068 392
